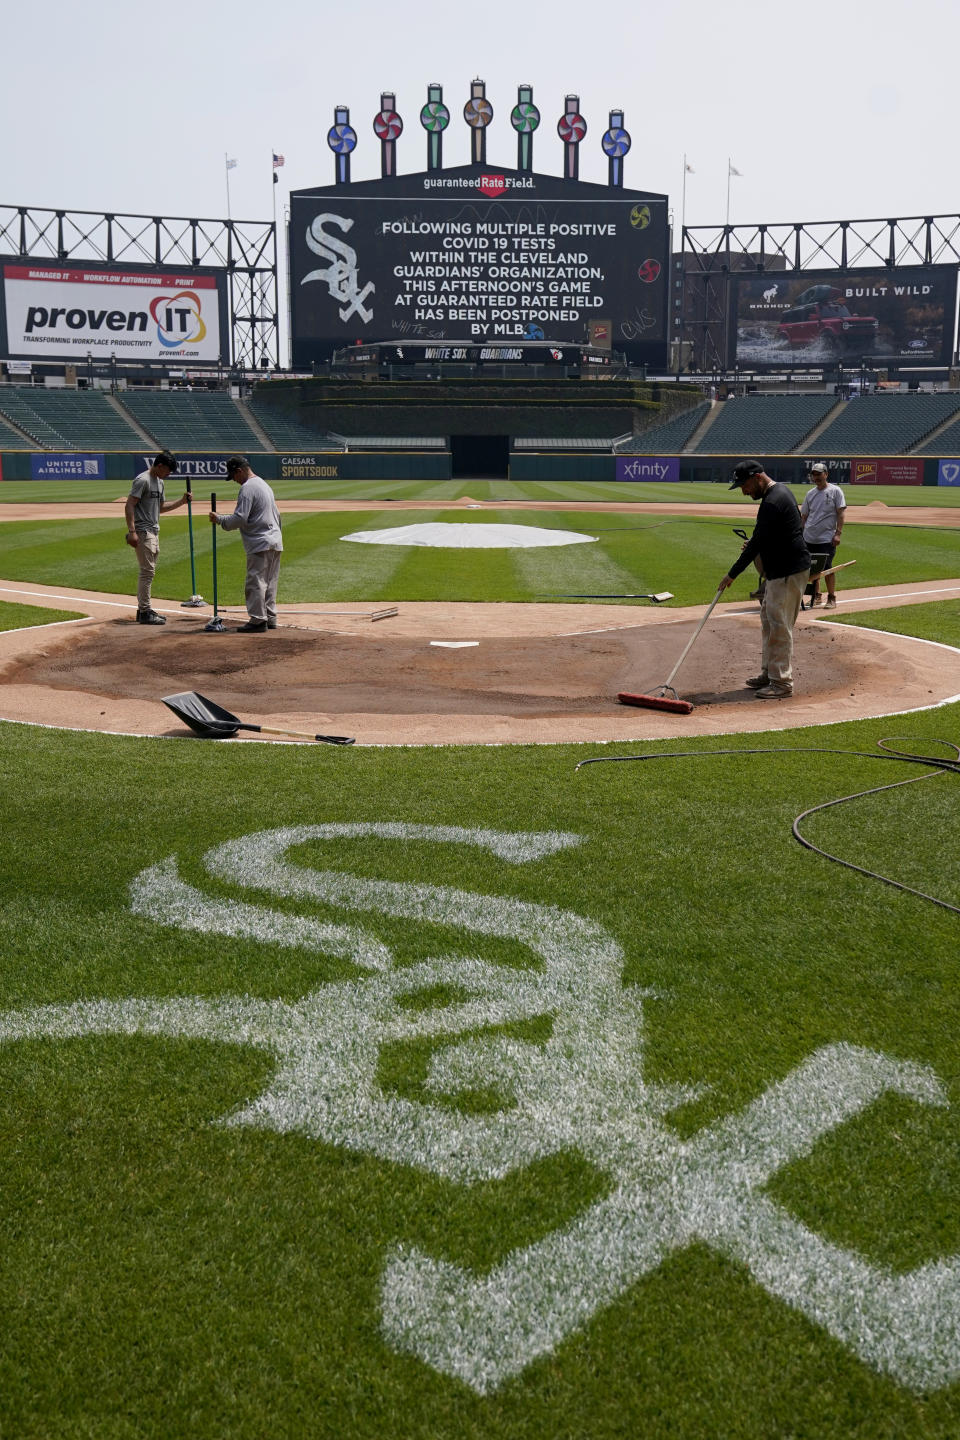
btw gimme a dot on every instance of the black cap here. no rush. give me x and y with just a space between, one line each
743 471
235 463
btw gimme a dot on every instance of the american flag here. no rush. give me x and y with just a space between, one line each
278 160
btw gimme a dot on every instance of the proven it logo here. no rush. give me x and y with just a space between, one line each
178 318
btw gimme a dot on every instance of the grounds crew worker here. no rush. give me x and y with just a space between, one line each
258 520
778 539
145 504
821 511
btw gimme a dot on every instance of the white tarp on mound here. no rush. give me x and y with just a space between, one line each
470 536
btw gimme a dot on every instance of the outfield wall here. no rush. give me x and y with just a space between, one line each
324 465
914 470
795 469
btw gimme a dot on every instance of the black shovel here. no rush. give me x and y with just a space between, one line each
214 723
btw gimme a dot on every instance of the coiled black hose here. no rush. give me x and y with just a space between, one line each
933 766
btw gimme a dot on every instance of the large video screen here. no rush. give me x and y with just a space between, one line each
477 257
823 317
69 312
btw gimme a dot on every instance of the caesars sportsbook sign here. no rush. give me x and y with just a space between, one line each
74 312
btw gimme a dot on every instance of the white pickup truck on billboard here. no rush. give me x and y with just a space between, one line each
54 311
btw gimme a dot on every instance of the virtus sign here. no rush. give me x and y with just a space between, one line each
583 1088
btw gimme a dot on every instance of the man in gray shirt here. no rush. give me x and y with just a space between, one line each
822 515
258 520
145 504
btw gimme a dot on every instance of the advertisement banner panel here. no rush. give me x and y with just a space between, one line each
665 468
948 472
67 467
77 311
308 467
825 317
459 260
886 472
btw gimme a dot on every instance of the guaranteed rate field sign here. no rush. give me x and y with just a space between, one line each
78 311
476 256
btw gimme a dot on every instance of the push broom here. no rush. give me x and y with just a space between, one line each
659 699
215 624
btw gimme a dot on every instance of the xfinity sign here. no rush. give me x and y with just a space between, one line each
665 469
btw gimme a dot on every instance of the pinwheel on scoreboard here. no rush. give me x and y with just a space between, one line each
478 112
342 140
571 127
525 118
434 117
388 127
616 142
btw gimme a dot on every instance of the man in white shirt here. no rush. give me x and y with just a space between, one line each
258 520
822 513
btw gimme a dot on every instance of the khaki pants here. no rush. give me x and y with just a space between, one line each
260 590
778 615
148 548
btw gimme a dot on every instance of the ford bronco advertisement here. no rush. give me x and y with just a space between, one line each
819 318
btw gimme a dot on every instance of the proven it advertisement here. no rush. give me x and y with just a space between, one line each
70 312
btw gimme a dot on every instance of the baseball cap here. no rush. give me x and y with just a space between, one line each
819 469
743 471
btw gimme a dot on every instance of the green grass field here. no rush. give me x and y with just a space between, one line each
634 553
646 1124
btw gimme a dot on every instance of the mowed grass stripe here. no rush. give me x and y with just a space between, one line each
319 564
580 569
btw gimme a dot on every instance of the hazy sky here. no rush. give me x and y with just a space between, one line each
829 110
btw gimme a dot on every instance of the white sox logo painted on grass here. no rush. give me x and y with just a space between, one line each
581 1089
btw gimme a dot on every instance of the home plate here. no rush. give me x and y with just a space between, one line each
454 644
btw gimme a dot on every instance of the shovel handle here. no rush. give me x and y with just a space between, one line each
303 734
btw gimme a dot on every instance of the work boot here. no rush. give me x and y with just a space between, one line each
252 627
757 682
776 690
831 602
815 599
150 617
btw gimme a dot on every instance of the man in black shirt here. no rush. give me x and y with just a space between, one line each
778 540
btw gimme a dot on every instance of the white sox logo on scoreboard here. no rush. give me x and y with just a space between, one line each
340 276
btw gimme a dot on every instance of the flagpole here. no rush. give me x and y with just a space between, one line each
226 171
729 172
683 201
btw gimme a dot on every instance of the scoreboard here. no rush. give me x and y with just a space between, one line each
479 258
